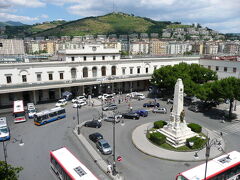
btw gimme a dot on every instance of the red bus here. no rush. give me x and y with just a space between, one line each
67 167
18 111
225 167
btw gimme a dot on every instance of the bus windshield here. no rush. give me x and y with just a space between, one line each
20 114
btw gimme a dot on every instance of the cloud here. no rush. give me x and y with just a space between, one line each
12 17
27 3
44 16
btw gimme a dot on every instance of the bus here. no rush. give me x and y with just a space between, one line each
66 166
18 111
48 116
225 167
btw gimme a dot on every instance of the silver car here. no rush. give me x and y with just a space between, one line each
104 147
162 110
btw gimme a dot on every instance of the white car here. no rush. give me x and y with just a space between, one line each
162 110
79 104
79 98
139 96
31 110
4 129
105 96
61 102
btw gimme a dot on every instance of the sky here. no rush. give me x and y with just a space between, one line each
220 15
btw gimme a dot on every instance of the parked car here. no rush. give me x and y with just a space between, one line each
162 110
104 146
79 98
93 123
79 104
139 96
169 101
112 118
151 104
4 129
130 115
105 96
95 136
61 102
31 110
109 107
141 112
194 108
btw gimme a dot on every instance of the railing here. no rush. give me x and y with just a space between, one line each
74 81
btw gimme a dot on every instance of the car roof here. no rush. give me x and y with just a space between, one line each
102 141
3 121
96 133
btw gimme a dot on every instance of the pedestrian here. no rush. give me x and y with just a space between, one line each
109 168
119 101
92 103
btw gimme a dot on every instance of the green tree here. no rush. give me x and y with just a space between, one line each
11 173
227 88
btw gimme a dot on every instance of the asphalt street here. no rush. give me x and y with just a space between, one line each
38 141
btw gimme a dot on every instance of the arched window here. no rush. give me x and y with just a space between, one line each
85 72
113 70
103 71
73 73
94 71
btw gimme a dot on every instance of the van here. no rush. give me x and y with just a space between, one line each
4 130
31 110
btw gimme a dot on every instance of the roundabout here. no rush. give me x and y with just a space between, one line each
142 143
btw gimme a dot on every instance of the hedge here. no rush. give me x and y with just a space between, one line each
157 138
198 142
159 124
195 127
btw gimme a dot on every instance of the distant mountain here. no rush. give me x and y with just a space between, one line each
11 23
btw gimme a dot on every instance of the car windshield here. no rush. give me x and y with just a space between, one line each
3 129
32 111
106 145
19 114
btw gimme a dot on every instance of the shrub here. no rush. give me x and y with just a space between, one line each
195 127
157 138
159 124
198 142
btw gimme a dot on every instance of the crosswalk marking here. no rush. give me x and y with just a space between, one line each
231 129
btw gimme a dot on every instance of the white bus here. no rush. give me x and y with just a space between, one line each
225 167
67 167
48 116
18 111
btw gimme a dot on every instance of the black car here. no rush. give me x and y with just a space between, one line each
130 115
94 123
109 107
151 104
95 136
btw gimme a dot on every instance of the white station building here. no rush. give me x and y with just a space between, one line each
91 70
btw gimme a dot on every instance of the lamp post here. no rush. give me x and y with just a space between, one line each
209 144
21 143
114 170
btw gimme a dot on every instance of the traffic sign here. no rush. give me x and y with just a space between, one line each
119 158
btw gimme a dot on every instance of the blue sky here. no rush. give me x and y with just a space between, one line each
220 15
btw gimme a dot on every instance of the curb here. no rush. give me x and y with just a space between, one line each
94 154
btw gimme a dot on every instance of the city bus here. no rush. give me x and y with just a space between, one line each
66 166
18 111
225 167
48 116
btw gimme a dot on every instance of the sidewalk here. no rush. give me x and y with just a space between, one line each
140 140
94 154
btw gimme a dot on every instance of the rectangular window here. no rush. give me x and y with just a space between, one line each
10 97
138 83
113 57
50 76
103 57
138 70
146 70
217 68
209 67
61 75
234 69
24 78
1 44
73 58
123 71
225 69
94 58
131 70
9 79
39 77
84 58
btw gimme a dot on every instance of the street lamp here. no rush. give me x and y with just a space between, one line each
21 143
209 144
114 170
78 128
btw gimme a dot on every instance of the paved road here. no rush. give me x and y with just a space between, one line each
34 155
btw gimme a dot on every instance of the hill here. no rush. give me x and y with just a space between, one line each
113 23
11 23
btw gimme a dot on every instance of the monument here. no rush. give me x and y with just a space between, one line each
177 130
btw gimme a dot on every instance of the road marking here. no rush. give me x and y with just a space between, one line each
231 129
